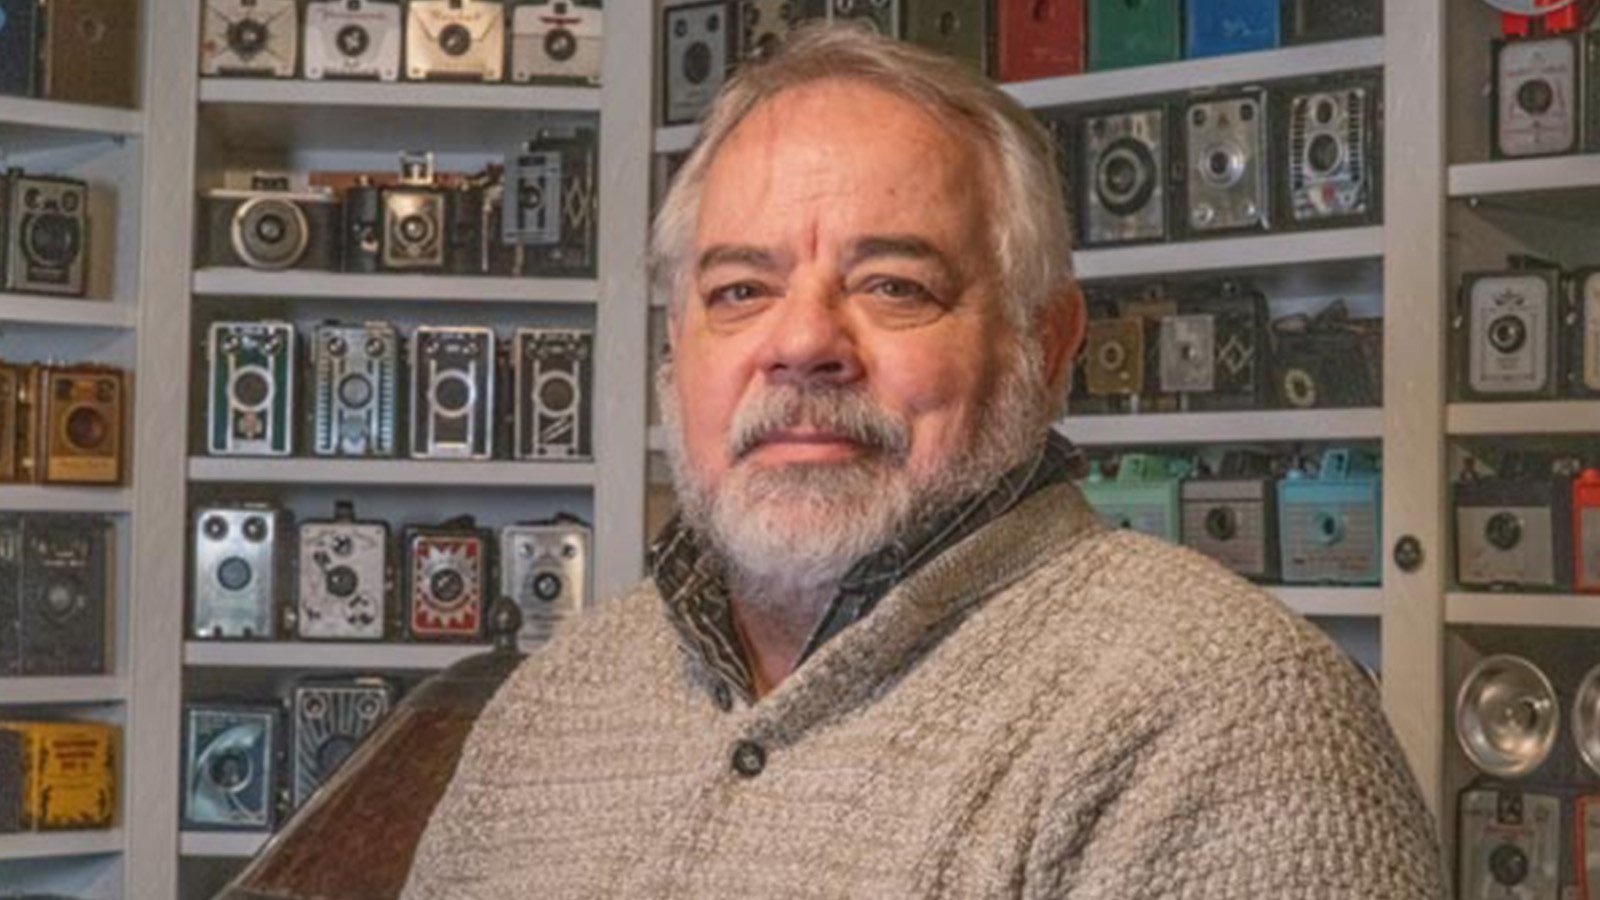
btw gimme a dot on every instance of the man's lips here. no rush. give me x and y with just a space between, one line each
805 445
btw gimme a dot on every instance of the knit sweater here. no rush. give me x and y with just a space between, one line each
1049 709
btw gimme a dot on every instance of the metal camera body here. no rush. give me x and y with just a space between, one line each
230 773
55 594
544 569
331 719
553 391
415 213
557 40
452 393
764 26
1213 352
343 579
1537 102
1509 335
455 40
1333 154
47 235
1510 842
255 38
353 39
1514 532
1124 181
1228 185
448 579
1330 525
698 51
236 571
270 227
251 388
552 205
355 390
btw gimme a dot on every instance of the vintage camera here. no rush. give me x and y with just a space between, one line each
1232 516
363 226
553 375
70 769
1124 177
1327 360
557 40
1039 40
1228 182
452 393
355 390
1213 352
268 226
1222 27
1114 355
1332 176
256 38
251 389
11 411
466 243
764 25
455 39
553 203
415 213
83 425
20 409
1512 529
331 719
544 569
1508 335
230 767
1142 496
1584 354
353 39
13 773
883 16
19 46
55 590
1125 33
236 571
1510 843
87 52
1330 522
698 41
344 578
448 577
1308 21
1586 531
957 28
1536 107
47 235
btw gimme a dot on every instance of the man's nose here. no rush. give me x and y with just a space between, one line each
812 342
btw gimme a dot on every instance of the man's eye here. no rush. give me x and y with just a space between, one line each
735 293
898 289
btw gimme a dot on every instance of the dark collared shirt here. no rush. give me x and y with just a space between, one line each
690 577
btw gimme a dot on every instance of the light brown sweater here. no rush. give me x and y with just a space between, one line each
1047 710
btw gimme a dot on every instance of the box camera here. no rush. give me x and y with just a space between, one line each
697 53
553 376
1124 177
230 768
1213 352
363 226
19 46
764 26
557 40
1039 40
256 38
883 16
544 569
1143 495
1308 21
1228 181
331 719
1222 27
1327 360
1585 343
415 212
47 235
1125 33
1586 531
87 53
1508 338
1330 522
1114 355
353 39
1232 516
70 774
956 28
1332 176
1537 106
83 425
355 389
452 393
271 227
552 203
12 775
448 575
455 39
236 571
55 591
344 578
251 389
1513 530
1510 843
10 411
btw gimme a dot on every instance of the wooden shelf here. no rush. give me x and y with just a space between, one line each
326 655
399 472
1224 427
1332 602
1533 417
221 844
57 844
70 690
352 287
1525 610
1238 255
27 125
44 498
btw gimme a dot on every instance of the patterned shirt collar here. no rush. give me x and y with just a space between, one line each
690 578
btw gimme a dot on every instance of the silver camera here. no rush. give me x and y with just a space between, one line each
544 569
55 594
331 719
236 571
1188 352
344 578
1228 182
452 393
1232 518
764 26
230 768
557 40
414 216
1536 100
1124 179
1509 332
353 39
355 389
882 16
698 52
270 227
1510 844
250 390
1333 154
257 38
48 228
1586 333
552 377
455 39
552 203
448 579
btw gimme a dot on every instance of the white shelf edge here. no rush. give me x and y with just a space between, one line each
1514 176
226 844
1223 427
1363 602
676 138
1533 417
65 311
400 94
1526 610
406 472
46 498
49 691
326 655
1230 254
58 844
79 117
394 286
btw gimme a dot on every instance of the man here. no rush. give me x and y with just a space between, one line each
886 650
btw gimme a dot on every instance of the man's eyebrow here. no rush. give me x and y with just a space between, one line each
902 245
738 255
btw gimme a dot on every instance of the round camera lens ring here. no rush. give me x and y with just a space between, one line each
287 251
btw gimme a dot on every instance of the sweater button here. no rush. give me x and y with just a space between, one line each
749 759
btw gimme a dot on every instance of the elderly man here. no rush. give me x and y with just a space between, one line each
886 650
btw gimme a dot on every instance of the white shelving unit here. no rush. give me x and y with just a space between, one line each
222 844
38 498
430 288
1240 255
19 309
1571 417
28 125
69 690
61 844
1251 426
327 655
422 473
1332 602
1524 610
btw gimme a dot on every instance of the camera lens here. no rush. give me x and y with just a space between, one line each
247 37
52 239
269 233
342 581
1327 528
455 40
353 40
447 586
234 574
452 393
231 771
333 751
255 529
86 428
251 389
416 229
1221 523
547 587
1507 334
60 600
270 229
1536 96
1508 864
355 391
560 45
1503 530
1322 113
1323 154
697 63
1112 355
1124 179
557 394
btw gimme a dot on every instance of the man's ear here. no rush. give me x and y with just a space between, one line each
1061 323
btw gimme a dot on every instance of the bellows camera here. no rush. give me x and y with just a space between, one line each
552 202
1124 179
455 39
557 40
55 594
452 393
269 226
553 373
1226 151
256 38
355 389
448 574
544 569
250 401
236 571
1327 359
46 234
353 39
344 578
698 52
230 770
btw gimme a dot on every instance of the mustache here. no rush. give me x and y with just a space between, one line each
846 413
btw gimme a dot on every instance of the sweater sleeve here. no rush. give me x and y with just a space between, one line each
1275 778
